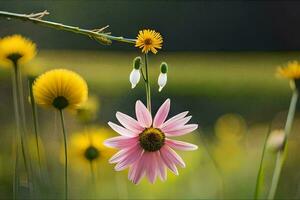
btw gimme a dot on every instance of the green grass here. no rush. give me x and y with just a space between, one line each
190 73
207 84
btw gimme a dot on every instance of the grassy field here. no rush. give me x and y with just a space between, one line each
191 73
209 84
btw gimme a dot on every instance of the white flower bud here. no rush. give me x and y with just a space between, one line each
276 140
162 78
162 81
134 77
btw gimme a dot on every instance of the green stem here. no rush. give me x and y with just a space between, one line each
18 131
102 37
93 180
15 180
260 169
92 172
143 76
91 162
35 120
291 114
66 152
276 175
147 82
20 111
281 154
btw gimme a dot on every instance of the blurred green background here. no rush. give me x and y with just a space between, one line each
234 96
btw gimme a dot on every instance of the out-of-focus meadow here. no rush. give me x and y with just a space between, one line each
234 97
222 58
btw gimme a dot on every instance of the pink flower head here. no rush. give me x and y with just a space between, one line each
144 146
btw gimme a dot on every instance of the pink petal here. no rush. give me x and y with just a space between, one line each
138 170
174 119
161 114
168 162
121 142
151 164
121 130
143 115
129 123
182 130
171 155
133 167
122 154
132 170
184 146
161 167
129 159
177 124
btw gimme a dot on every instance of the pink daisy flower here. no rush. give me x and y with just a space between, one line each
144 146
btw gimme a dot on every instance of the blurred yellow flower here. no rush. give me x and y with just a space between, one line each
230 127
61 89
228 150
87 147
290 71
16 49
149 40
87 111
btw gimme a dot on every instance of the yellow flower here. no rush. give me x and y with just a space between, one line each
61 89
16 49
87 111
87 146
230 127
230 130
149 40
291 71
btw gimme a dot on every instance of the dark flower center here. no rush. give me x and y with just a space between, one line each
91 153
148 41
152 139
14 57
60 102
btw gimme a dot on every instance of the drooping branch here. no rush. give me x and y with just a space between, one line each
96 34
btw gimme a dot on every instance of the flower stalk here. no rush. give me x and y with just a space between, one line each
93 177
282 153
17 118
15 175
20 118
259 177
147 83
35 119
65 150
97 34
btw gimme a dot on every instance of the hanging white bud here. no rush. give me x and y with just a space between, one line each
135 74
276 140
134 77
162 81
162 78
